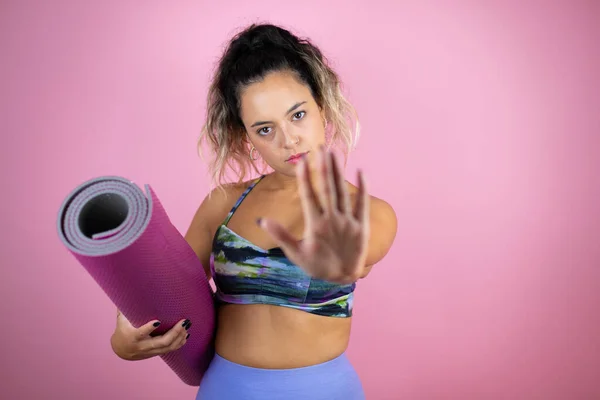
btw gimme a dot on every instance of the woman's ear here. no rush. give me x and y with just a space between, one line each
323 116
245 137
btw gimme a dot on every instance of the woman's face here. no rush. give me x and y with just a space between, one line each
282 120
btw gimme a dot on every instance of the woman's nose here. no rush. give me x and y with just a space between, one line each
290 137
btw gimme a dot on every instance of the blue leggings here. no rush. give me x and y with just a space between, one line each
331 380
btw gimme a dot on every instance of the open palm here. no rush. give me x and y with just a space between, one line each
335 240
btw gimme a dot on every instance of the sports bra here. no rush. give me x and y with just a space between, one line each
248 274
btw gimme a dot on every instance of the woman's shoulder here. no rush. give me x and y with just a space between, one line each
377 204
229 192
219 200
213 209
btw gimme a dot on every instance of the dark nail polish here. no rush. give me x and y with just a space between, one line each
157 323
185 322
188 326
188 335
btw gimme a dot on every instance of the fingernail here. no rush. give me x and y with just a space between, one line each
188 335
157 323
258 221
188 326
185 322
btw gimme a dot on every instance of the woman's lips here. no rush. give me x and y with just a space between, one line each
296 157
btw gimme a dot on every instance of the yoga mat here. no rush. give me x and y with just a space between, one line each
126 242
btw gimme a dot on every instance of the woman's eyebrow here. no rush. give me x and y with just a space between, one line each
292 108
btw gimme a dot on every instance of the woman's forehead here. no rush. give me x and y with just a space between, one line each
273 96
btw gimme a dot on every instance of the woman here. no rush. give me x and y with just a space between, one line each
285 249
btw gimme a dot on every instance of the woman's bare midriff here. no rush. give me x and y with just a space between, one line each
276 337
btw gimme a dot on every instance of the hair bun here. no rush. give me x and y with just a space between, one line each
267 36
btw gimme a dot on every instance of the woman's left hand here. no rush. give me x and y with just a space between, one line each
336 236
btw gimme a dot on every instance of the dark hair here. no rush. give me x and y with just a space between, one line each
250 55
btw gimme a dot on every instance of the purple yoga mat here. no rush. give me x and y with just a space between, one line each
126 242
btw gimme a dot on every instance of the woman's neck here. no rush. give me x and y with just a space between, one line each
282 183
287 184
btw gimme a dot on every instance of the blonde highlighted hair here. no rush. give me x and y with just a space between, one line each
249 56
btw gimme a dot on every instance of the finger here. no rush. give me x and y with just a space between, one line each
154 350
175 345
147 329
282 237
170 336
329 182
361 213
308 198
178 342
322 182
343 203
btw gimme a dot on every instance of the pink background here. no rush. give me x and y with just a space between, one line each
481 126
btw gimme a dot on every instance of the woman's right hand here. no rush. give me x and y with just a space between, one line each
130 343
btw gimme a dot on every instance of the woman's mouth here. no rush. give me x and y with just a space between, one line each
296 157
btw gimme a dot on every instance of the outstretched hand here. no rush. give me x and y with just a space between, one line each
336 234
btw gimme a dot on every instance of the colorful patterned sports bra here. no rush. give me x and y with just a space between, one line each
247 274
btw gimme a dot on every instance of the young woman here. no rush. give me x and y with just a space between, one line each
285 249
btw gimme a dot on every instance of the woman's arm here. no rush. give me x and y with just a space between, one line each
383 227
209 215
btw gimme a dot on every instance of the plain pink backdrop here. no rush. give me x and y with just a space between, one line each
480 125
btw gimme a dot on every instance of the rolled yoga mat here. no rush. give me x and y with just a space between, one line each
126 242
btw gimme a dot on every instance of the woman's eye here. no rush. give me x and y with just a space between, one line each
264 131
299 115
